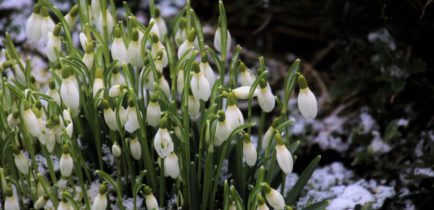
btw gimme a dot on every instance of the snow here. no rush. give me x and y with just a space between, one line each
378 146
14 4
108 157
427 172
343 190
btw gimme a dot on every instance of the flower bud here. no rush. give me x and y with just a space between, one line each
261 203
223 129
33 24
245 76
69 90
266 98
99 22
206 69
40 203
47 25
53 92
71 17
218 40
193 108
180 81
117 78
233 113
135 148
163 144
21 162
66 163
171 166
249 151
109 115
307 103
283 156
116 150
157 48
98 83
13 120
118 49
199 84
153 113
243 92
274 198
187 45
116 90
53 46
11 202
100 201
32 123
135 50
150 200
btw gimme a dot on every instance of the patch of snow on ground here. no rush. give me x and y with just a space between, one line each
108 157
378 146
428 172
344 191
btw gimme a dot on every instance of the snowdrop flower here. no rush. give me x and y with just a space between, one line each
223 129
188 44
171 166
249 151
193 107
206 69
71 17
47 25
218 40
33 25
178 132
307 103
100 201
199 84
64 205
116 150
118 49
54 44
83 40
11 202
162 141
98 83
21 162
116 90
160 23
134 50
153 112
261 203
13 119
181 33
135 148
157 48
150 200
66 163
31 122
154 30
100 19
233 206
95 6
180 81
40 203
245 76
117 78
50 139
53 92
243 92
132 123
69 90
269 133
266 98
233 113
274 198
283 156
89 55
123 117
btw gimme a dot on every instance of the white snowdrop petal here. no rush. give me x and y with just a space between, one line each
218 40
32 123
163 144
153 114
53 45
66 165
193 108
267 137
266 99
135 149
275 199
119 51
249 153
180 82
98 84
109 118
171 165
151 202
284 159
243 92
11 203
69 91
307 103
100 202
234 116
132 123
222 132
22 163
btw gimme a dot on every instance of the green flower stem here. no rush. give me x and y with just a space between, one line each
162 182
50 167
223 31
119 181
233 68
106 36
152 8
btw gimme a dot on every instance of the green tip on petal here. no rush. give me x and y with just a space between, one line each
302 83
74 11
102 189
56 31
135 35
191 35
196 67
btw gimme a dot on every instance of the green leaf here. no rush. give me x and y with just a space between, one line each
301 182
317 206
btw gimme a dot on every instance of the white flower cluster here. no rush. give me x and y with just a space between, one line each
136 87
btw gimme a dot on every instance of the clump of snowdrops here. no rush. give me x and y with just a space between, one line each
164 102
